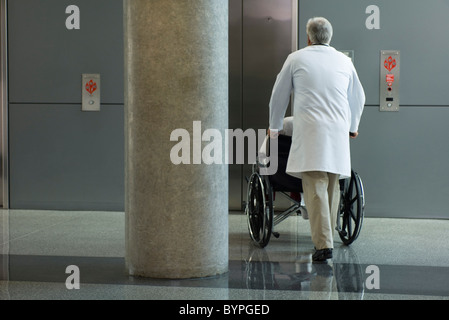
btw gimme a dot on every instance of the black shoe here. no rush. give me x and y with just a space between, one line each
322 255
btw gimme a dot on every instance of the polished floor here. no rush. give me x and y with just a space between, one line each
405 259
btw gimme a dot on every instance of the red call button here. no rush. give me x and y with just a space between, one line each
390 79
91 87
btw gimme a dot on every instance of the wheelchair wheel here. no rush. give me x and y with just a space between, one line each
259 209
351 210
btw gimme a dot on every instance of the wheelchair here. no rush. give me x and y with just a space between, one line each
259 208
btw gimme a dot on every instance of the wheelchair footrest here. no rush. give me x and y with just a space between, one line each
276 234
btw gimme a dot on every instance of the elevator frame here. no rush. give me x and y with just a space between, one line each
4 192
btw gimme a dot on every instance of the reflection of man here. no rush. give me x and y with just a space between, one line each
324 285
328 104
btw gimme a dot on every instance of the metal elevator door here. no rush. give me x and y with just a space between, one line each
262 33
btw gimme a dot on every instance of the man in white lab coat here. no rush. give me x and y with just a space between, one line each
327 107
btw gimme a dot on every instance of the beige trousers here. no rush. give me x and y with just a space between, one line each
322 199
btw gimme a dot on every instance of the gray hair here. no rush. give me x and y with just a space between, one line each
319 30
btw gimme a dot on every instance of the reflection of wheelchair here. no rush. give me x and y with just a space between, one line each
344 277
263 188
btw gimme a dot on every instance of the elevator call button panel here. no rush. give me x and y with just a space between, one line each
389 80
91 92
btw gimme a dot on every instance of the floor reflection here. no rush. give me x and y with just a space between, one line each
328 280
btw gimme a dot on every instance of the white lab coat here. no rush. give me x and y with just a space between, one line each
328 104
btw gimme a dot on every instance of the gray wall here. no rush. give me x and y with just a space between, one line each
61 157
402 157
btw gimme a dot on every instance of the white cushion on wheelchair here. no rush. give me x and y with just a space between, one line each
287 130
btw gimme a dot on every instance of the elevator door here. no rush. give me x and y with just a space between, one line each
262 33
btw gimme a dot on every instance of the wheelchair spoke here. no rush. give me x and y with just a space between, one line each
351 185
352 215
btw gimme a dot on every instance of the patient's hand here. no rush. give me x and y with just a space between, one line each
273 134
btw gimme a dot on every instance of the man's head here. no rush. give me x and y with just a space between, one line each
319 30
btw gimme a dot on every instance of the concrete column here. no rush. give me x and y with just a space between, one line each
176 77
